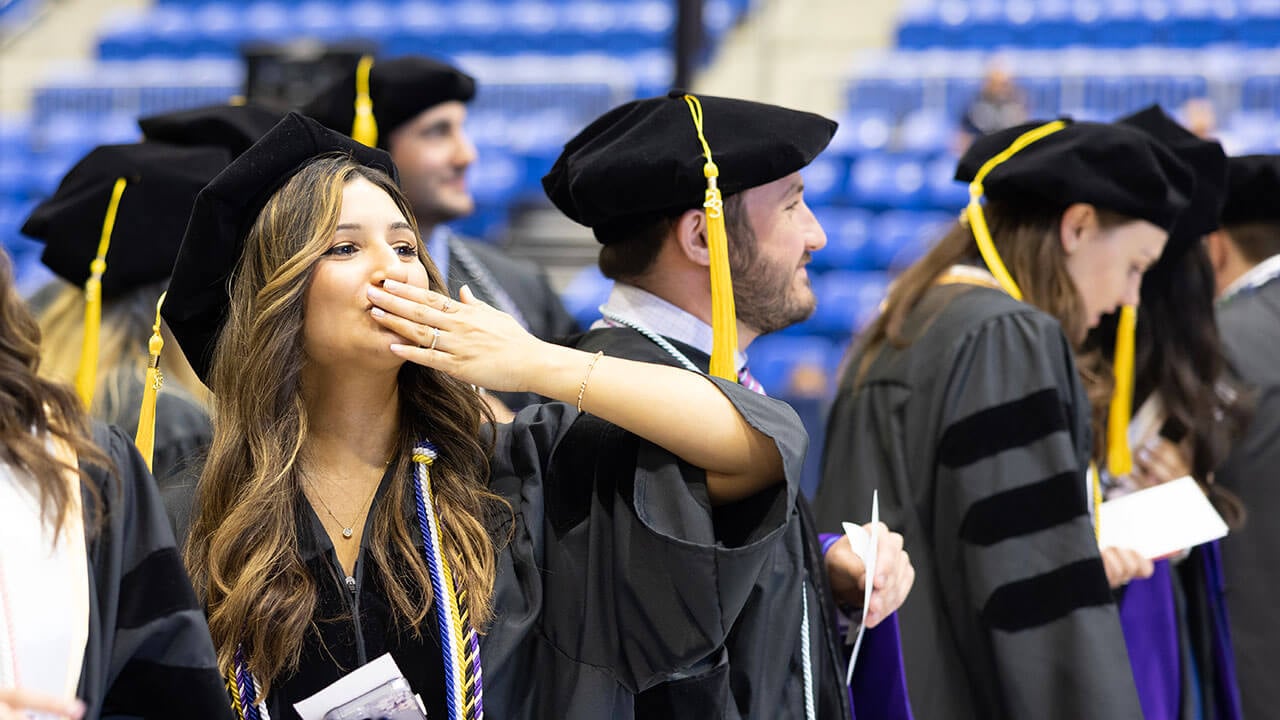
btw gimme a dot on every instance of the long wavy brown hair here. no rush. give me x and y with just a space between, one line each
33 409
1028 239
242 550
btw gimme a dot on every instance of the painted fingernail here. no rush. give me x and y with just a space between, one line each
389 283
397 347
378 312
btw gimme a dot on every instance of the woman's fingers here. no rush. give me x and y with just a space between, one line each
1123 565
421 313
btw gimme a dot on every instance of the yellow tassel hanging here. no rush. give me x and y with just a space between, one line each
87 373
1119 457
364 129
724 318
978 220
145 438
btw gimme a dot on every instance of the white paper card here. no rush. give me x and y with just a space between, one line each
349 687
868 542
1160 520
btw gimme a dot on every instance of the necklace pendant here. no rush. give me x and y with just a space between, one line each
347 532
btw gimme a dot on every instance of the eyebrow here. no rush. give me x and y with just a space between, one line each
795 188
398 225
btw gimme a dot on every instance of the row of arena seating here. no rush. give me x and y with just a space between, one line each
992 24
1101 83
219 28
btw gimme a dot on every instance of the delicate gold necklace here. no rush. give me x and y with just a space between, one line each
348 531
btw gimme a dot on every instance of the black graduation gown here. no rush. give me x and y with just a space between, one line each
148 653
620 576
760 674
977 437
1250 327
612 575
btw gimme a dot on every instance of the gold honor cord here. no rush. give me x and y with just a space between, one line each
978 220
145 438
87 373
724 318
364 129
1119 457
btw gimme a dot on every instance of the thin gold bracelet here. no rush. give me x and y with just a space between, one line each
582 389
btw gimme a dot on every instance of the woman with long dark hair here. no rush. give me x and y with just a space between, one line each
963 406
356 501
94 602
1191 411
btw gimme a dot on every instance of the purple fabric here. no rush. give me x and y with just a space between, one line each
827 540
1227 700
879 688
1149 619
1148 616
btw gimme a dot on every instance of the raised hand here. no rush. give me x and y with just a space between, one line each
465 338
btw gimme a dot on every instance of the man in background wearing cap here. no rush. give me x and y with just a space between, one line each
414 108
636 177
1246 262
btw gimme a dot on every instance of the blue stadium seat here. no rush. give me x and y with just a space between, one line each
894 96
925 132
886 181
943 191
862 131
496 176
824 179
847 233
584 295
773 358
847 301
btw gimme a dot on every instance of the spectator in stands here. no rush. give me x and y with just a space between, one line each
1245 256
97 617
111 232
692 291
415 108
999 104
1177 376
355 502
1201 120
963 406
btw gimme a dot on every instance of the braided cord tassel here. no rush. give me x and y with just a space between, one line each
450 626
474 681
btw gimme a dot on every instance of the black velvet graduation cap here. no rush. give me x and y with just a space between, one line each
1253 190
161 184
399 89
1207 161
225 209
234 127
644 158
1114 167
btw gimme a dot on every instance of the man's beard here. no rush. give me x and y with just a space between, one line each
764 296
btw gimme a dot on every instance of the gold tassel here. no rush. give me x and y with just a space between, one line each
145 438
364 129
1119 457
724 318
978 220
87 373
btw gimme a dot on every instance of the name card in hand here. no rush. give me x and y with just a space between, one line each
864 545
376 690
1161 520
